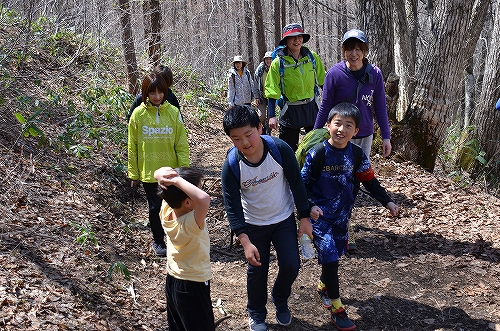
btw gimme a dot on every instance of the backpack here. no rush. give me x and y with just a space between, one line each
247 73
314 139
232 155
281 101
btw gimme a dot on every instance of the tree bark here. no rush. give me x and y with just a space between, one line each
128 47
488 119
375 18
249 34
277 22
405 39
450 43
154 49
259 28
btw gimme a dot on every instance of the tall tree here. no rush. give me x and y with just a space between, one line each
341 26
277 22
154 49
259 28
454 30
249 34
488 120
128 46
406 33
375 19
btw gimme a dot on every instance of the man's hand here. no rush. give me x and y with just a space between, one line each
393 208
164 176
386 147
273 123
251 252
305 227
316 212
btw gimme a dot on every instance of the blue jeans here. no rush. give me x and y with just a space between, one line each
283 236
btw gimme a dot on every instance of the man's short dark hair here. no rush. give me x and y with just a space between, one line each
346 109
240 116
173 195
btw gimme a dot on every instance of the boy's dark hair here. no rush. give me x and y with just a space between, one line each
240 116
166 73
173 195
346 109
151 82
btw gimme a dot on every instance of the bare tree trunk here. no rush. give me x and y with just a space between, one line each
488 120
259 24
284 20
341 26
375 18
154 49
468 108
430 113
405 38
146 18
277 22
249 34
128 47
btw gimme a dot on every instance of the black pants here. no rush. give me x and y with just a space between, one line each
189 307
291 136
154 204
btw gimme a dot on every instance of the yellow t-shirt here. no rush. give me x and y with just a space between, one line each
188 246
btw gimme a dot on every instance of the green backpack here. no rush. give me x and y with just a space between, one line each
311 139
314 139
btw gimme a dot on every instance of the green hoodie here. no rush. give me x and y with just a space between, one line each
156 138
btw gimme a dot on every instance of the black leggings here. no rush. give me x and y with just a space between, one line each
330 277
154 204
291 136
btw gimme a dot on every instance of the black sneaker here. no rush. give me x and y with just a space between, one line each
341 321
283 316
352 248
160 249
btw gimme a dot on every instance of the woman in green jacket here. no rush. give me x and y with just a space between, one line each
293 79
156 138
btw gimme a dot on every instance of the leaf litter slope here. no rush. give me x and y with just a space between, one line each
435 267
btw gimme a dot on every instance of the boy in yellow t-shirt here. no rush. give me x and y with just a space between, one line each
183 213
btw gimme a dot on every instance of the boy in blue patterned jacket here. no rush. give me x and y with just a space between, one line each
332 194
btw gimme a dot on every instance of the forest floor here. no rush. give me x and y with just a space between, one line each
435 267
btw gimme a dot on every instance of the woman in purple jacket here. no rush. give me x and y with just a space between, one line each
356 81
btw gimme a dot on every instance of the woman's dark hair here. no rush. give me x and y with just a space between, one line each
166 73
238 117
152 82
173 195
352 43
345 109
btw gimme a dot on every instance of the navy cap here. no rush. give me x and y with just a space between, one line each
354 33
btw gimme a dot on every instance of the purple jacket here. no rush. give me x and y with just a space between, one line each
339 86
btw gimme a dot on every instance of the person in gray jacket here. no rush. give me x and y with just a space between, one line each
240 86
260 78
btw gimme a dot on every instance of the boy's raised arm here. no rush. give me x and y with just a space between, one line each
199 197
167 176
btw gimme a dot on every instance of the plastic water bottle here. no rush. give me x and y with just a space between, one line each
306 246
